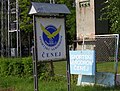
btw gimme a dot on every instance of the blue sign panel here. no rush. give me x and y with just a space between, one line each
82 62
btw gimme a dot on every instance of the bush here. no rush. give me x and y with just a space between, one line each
21 67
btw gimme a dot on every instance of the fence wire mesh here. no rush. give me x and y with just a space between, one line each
106 51
106 47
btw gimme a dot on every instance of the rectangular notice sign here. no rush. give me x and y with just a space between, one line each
51 43
82 62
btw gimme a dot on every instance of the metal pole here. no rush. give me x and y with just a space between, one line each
20 42
68 69
68 60
52 69
17 28
35 56
116 56
5 28
8 28
2 5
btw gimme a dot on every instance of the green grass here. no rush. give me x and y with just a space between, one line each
53 86
60 67
19 84
57 84
107 67
24 84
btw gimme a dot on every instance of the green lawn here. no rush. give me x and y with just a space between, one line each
60 67
107 67
24 84
57 84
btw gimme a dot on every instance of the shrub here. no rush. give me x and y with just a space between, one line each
21 67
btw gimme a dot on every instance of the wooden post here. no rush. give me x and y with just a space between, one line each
52 69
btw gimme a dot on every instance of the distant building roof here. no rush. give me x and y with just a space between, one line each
47 8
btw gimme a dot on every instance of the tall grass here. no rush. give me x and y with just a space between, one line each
25 84
57 83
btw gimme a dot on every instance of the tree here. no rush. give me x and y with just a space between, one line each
70 19
112 13
25 19
25 22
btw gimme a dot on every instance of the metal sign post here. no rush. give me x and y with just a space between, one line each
116 56
68 61
49 35
35 56
68 70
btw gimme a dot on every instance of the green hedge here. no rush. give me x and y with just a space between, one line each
22 67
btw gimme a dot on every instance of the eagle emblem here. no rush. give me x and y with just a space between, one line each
50 34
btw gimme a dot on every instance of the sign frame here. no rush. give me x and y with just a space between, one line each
82 62
47 51
35 56
44 10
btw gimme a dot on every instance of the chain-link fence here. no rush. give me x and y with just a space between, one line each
106 50
106 56
106 47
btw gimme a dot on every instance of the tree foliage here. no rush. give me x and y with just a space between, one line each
25 19
112 13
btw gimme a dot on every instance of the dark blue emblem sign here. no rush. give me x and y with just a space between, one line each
52 41
50 35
